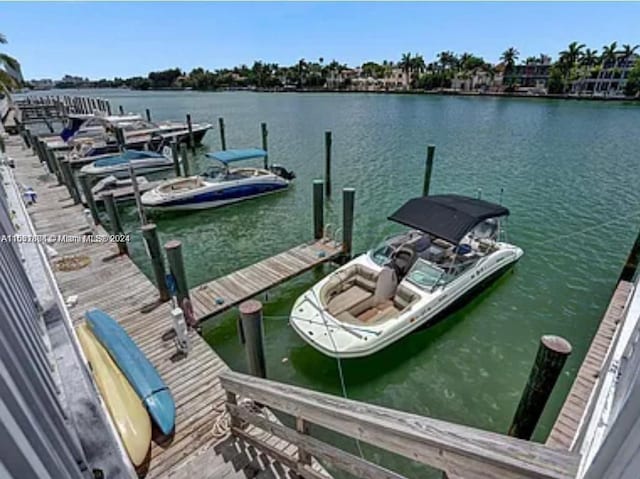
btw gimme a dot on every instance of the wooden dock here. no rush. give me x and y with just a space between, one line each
116 285
569 423
223 293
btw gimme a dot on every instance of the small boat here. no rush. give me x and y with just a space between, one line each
141 161
141 374
220 185
125 407
110 183
410 280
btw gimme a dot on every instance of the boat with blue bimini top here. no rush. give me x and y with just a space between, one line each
453 248
220 184
142 162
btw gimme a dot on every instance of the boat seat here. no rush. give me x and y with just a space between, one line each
348 299
377 313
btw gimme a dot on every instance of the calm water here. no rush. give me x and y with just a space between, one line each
569 172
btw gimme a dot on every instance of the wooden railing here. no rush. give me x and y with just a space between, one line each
459 451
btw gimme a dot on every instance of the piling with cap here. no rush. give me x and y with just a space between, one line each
251 331
348 205
69 181
184 154
265 146
85 184
173 249
150 235
318 209
176 158
223 140
431 150
114 221
192 142
552 354
327 163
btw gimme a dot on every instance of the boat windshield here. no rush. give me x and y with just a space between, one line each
215 172
425 275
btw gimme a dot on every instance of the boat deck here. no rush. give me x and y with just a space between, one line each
116 285
569 422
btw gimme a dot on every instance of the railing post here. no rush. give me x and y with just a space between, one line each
85 184
431 150
318 209
327 163
223 140
150 236
68 178
231 399
184 154
265 146
251 335
192 143
114 220
176 158
304 458
552 354
348 204
173 250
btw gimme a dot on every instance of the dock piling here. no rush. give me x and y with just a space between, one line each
552 354
53 161
68 179
173 250
136 194
148 113
176 158
223 140
150 236
348 206
631 264
265 146
120 138
108 108
121 108
251 331
327 163
184 154
192 142
85 184
318 209
114 221
431 150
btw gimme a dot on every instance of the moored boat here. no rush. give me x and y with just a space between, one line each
411 279
118 164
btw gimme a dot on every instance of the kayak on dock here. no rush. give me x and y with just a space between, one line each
141 374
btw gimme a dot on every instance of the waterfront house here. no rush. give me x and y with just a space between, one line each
532 76
609 79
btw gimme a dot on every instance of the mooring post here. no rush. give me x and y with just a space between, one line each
150 235
348 204
184 154
265 145
41 154
552 354
136 194
251 332
327 163
223 140
28 139
631 264
318 209
114 221
173 250
85 184
431 150
148 112
176 158
53 161
120 138
192 142
121 108
108 107
71 184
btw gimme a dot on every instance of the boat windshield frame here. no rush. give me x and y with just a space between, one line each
441 277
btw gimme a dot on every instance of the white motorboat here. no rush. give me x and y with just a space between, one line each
220 185
141 161
408 281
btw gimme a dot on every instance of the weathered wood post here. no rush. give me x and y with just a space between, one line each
120 139
2 145
57 167
70 182
150 236
136 194
223 140
304 458
85 184
148 113
28 138
251 332
431 150
114 221
184 154
327 163
265 146
552 354
41 154
121 108
631 264
348 204
318 209
192 142
176 158
173 250
108 108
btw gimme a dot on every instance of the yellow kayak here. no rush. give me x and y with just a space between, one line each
126 409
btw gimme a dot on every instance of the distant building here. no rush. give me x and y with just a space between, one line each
355 79
43 84
533 75
477 80
610 80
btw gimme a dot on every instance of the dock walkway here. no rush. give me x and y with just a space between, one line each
116 285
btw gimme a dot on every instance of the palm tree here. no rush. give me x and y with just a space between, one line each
8 79
572 53
609 53
628 51
302 65
509 57
589 58
405 63
417 66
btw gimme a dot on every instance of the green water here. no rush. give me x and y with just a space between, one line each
565 167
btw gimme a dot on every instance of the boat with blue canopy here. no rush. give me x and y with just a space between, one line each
220 184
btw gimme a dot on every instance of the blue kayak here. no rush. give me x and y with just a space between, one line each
143 377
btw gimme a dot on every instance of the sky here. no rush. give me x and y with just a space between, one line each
104 40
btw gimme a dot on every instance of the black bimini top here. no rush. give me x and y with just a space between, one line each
449 217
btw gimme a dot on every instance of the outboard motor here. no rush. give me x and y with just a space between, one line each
282 172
